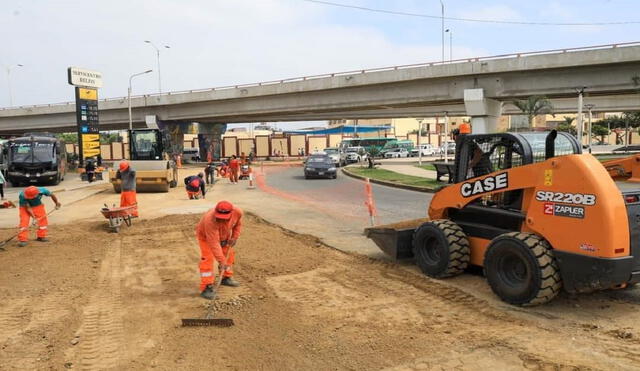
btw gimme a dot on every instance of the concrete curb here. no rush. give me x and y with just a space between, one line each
389 184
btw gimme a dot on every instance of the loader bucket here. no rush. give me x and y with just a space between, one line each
395 239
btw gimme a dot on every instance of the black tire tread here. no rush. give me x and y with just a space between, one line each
550 273
459 252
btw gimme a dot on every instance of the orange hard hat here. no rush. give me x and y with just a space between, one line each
465 128
124 165
31 192
223 210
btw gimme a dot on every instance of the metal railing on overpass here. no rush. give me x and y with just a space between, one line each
351 73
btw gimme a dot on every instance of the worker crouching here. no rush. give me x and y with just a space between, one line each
217 233
31 206
128 195
195 186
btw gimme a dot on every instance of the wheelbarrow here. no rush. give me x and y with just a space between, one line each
117 216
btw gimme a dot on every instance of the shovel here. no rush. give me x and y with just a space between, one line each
208 320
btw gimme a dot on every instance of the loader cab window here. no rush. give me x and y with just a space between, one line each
564 144
481 155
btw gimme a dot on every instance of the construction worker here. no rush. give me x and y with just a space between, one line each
210 172
90 169
234 166
31 206
195 186
128 187
465 128
217 233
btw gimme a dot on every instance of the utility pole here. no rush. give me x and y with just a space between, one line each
450 32
579 118
442 7
589 107
446 136
419 135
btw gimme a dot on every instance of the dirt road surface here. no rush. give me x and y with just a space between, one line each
94 300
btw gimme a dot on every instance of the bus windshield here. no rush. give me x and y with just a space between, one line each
32 152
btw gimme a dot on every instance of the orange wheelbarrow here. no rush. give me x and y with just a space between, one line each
117 216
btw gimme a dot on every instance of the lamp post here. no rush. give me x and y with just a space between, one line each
418 141
579 124
158 56
589 107
446 136
450 32
9 81
442 7
129 95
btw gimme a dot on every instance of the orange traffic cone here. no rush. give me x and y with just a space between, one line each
179 162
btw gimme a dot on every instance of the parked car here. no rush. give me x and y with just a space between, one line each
191 154
450 148
355 154
339 157
426 149
319 165
396 153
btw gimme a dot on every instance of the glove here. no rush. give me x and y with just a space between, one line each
58 206
224 267
231 243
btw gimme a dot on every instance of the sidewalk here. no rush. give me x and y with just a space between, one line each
409 170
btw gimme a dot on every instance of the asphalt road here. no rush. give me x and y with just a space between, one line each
345 197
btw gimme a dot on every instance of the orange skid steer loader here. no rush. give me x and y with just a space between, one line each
535 212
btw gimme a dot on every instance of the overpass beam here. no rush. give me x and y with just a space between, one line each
484 112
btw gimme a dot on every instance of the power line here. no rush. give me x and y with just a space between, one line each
496 21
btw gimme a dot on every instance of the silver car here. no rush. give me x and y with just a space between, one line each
339 157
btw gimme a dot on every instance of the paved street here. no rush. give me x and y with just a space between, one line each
344 197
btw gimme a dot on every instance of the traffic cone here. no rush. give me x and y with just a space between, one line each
251 186
179 162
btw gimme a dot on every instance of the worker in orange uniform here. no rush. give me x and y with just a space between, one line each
195 186
31 206
217 233
465 128
234 166
127 187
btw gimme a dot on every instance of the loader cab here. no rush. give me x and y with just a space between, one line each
479 155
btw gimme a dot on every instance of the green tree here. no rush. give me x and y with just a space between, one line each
569 120
68 137
533 106
599 130
568 128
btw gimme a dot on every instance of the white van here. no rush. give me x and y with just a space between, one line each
426 149
191 154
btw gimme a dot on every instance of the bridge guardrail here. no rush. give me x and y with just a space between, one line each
349 73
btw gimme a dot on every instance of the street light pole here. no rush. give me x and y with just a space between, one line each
9 82
158 57
450 32
419 135
589 107
129 95
446 136
580 123
442 6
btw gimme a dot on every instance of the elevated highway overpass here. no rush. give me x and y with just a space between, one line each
479 87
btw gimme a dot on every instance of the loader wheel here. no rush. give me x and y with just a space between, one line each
521 269
441 248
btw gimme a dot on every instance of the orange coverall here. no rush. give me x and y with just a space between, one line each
41 218
210 233
234 165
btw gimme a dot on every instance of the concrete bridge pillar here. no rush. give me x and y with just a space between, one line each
484 112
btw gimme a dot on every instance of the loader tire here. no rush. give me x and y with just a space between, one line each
521 269
441 248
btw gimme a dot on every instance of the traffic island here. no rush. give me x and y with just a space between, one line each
393 179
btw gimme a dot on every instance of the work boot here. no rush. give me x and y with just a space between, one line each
42 239
228 281
22 243
208 293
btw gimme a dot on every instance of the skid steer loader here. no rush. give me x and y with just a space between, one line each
535 212
147 158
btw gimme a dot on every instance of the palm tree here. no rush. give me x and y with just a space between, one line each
533 106
568 120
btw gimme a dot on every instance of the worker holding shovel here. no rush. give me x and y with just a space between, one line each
217 233
31 206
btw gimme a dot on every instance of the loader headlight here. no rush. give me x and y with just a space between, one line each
332 169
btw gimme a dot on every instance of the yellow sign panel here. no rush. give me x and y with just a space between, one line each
88 94
90 137
90 152
90 145
548 177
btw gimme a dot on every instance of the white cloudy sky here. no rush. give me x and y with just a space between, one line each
227 42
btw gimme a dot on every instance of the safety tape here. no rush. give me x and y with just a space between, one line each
45 227
206 274
24 228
